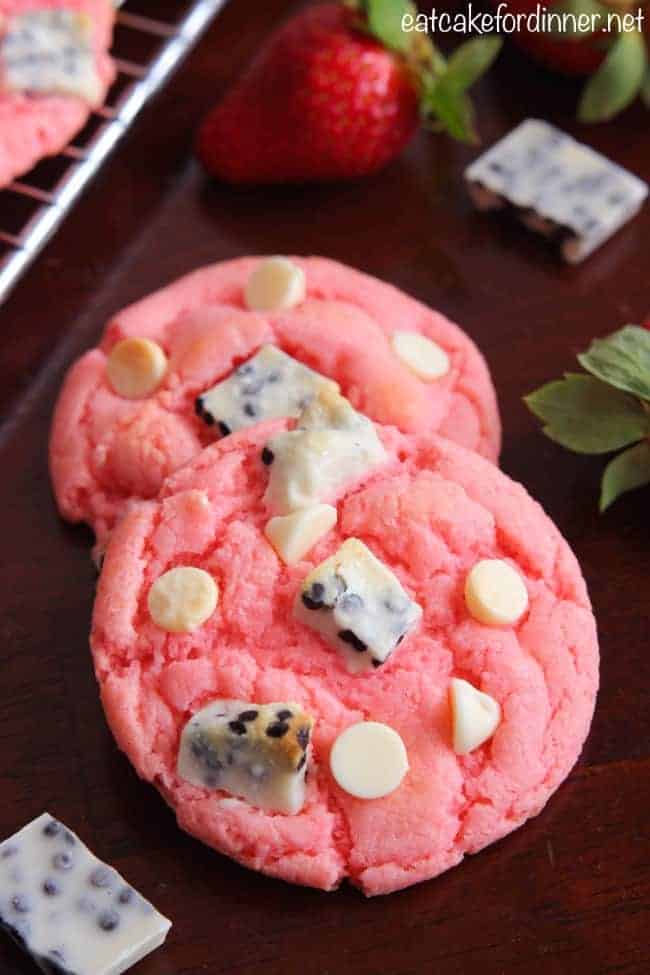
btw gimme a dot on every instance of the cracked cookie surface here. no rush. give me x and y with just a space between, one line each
107 450
430 513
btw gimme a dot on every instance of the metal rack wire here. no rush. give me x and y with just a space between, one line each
42 210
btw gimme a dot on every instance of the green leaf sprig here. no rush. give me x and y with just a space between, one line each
442 83
608 409
624 73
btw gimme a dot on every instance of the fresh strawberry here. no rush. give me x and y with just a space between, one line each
618 61
336 93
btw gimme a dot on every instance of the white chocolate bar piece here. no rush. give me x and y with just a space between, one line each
559 187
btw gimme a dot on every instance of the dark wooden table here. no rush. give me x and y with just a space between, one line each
568 893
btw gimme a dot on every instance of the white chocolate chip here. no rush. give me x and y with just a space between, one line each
292 536
421 355
475 716
495 593
276 284
136 367
182 599
369 760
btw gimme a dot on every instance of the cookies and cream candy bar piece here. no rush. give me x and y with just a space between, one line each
270 385
49 52
356 603
559 187
72 913
258 752
331 447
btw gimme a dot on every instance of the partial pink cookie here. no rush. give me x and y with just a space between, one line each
429 514
107 451
33 126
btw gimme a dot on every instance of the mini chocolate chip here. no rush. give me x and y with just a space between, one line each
399 639
273 377
69 838
277 729
8 851
284 715
198 406
349 637
20 903
247 715
301 763
302 737
108 920
267 456
50 887
100 877
237 727
126 895
225 429
62 861
249 409
245 369
376 663
53 828
313 598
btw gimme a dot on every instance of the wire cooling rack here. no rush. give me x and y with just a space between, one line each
146 51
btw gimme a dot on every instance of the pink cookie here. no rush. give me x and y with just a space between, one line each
429 514
36 124
107 450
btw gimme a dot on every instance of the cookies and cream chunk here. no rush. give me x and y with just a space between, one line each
495 593
276 284
135 367
332 446
268 386
258 752
292 536
49 52
356 603
369 760
421 355
475 716
72 913
559 188
182 599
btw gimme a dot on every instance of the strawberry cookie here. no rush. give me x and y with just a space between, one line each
54 70
245 341
345 663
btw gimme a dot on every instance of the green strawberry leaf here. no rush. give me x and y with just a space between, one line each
621 360
471 60
645 90
385 22
446 108
584 18
628 471
618 80
444 102
588 416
